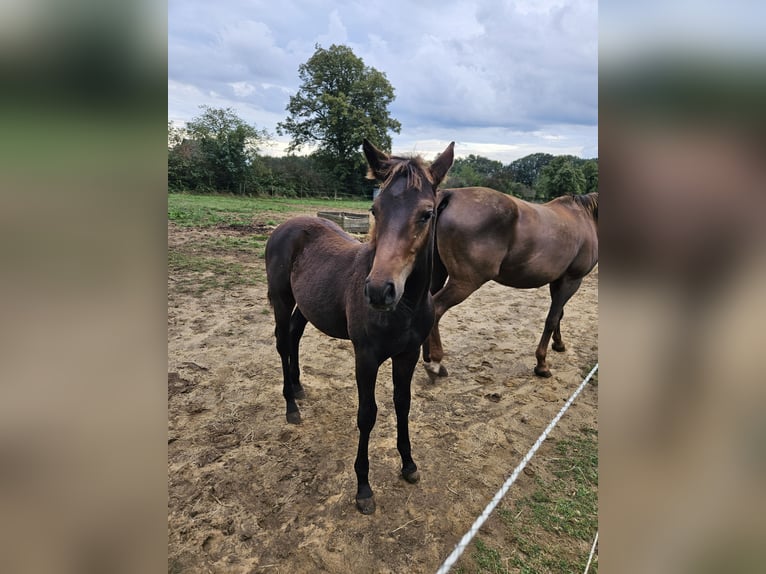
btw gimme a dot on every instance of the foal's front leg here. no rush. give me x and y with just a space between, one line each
403 367
366 375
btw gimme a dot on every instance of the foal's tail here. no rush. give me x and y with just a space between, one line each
439 274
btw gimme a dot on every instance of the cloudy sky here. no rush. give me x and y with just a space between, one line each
502 78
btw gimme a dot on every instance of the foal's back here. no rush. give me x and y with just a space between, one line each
314 260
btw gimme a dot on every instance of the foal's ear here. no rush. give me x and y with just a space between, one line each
376 159
441 164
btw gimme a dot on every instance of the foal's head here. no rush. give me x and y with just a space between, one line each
404 220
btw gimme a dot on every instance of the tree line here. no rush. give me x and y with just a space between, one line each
340 101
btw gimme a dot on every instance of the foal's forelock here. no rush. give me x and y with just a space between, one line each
413 168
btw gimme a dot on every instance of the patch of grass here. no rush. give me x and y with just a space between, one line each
488 559
197 274
544 531
247 244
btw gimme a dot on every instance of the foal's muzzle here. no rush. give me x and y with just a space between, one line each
381 297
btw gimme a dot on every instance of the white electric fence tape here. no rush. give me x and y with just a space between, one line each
592 550
461 546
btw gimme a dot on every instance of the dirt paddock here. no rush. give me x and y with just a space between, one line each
250 493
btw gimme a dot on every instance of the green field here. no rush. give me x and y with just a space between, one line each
221 210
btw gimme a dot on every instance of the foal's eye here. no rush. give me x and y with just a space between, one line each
372 210
425 216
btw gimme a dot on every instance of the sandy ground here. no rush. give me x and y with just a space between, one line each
250 493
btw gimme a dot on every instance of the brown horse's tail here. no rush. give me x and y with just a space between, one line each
439 274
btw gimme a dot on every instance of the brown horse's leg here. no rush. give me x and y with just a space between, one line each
558 343
297 326
366 374
452 294
438 278
561 291
403 367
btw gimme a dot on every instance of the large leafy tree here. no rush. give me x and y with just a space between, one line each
227 143
339 103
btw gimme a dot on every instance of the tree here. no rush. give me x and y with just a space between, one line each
527 169
339 103
476 170
463 174
560 177
227 145
175 135
186 164
590 171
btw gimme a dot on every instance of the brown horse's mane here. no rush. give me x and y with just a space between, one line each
589 202
413 167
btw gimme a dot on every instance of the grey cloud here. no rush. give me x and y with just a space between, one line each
488 66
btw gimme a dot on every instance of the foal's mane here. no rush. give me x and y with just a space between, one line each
413 167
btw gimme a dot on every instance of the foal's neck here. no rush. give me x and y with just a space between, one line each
418 283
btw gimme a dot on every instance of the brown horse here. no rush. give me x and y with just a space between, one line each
484 235
375 293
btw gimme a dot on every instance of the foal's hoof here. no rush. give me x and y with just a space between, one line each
366 505
412 477
544 372
299 393
560 347
294 418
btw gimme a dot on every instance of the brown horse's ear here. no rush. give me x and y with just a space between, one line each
376 159
441 164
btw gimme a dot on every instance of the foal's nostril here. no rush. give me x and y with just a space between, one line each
389 292
379 295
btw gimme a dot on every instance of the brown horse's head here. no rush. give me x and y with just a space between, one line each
404 220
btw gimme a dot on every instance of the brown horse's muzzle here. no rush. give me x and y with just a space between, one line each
380 295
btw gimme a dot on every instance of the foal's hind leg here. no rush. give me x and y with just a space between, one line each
283 308
297 326
561 291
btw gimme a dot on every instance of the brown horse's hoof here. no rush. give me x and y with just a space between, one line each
543 372
560 347
413 477
294 418
435 370
366 505
432 376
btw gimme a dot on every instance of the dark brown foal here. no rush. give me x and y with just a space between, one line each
375 293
